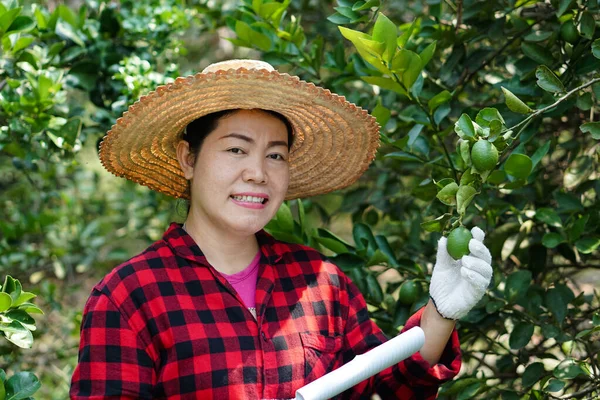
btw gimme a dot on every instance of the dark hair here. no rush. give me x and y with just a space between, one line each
197 130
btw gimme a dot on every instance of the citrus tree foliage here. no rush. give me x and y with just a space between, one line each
487 115
16 326
66 75
488 112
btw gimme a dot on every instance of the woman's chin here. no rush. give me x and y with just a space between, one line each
247 226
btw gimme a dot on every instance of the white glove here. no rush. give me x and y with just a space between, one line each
457 285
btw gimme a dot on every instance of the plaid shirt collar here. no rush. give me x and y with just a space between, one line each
185 246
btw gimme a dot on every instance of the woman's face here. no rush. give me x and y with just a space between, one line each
241 176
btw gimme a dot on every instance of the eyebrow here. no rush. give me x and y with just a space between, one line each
250 140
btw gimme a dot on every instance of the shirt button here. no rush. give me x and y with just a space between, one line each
263 336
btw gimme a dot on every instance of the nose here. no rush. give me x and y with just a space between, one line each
255 170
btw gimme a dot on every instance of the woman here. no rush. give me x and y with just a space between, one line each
220 309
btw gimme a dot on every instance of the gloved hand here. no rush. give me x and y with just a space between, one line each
457 285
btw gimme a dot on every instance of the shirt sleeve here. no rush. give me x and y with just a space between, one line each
412 378
113 362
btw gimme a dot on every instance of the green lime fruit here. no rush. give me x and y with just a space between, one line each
568 31
458 242
484 155
409 292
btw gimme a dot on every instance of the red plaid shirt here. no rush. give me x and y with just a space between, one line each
165 324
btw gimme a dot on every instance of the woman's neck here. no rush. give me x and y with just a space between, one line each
226 253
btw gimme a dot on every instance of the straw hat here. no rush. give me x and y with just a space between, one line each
334 140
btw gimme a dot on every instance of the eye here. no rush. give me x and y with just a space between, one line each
236 150
276 156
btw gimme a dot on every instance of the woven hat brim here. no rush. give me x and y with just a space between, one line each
334 143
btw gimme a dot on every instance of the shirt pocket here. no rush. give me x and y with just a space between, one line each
322 354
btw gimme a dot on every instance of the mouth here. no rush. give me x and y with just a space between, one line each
250 199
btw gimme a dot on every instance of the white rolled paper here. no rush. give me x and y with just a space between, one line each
364 366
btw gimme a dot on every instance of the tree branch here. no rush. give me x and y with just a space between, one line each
557 102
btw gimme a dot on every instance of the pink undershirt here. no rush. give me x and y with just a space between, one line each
244 282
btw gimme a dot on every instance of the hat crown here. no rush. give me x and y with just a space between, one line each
235 64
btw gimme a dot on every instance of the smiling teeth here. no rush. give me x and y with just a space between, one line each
249 199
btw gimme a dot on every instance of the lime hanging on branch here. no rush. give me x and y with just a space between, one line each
409 292
458 242
484 155
568 31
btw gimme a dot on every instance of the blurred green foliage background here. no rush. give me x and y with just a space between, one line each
438 75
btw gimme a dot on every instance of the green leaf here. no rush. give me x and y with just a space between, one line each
22 43
332 245
539 154
517 284
20 24
381 113
554 385
537 53
552 239
18 334
68 15
578 172
427 54
385 83
496 177
448 194
359 40
42 23
465 151
5 301
464 126
596 48
533 373
374 292
347 12
24 297
338 19
403 156
593 128
556 304
514 103
439 99
587 25
578 226
261 40
363 238
284 217
403 39
385 248
464 196
587 245
364 5
568 369
562 7
21 316
470 391
348 261
585 101
548 81
385 31
71 130
518 165
521 335
407 64
438 224
548 216
22 385
30 308
7 19
66 31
